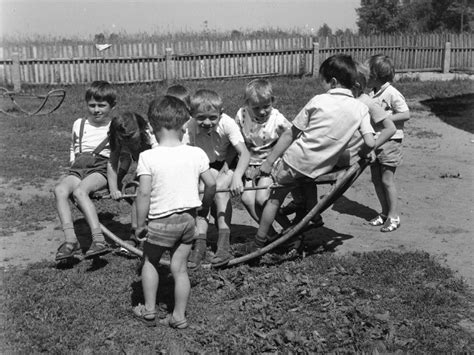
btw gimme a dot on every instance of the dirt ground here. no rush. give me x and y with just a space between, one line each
435 186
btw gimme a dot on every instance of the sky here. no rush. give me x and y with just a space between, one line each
84 18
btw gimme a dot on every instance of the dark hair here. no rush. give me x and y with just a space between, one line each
167 112
126 126
382 68
101 91
341 67
180 92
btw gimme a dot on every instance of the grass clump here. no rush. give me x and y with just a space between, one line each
384 301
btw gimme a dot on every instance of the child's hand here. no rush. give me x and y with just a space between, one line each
141 233
115 195
236 186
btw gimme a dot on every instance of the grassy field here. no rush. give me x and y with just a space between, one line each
374 302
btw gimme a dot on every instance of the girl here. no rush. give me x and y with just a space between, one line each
129 134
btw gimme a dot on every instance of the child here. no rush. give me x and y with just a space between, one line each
379 118
219 136
261 126
169 196
389 156
129 134
179 91
88 172
320 133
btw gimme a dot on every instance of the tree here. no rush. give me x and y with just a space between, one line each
408 16
324 31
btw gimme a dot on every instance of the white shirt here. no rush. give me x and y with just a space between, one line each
261 137
392 101
175 175
91 138
327 124
217 143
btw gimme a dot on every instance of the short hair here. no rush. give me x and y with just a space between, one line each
258 90
167 112
382 68
179 91
125 126
205 100
341 67
101 90
362 78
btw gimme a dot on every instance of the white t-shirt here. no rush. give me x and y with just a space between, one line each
217 144
92 136
260 138
327 124
175 175
392 101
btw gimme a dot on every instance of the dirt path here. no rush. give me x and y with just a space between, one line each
435 195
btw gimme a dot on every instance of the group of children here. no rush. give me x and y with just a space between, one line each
188 148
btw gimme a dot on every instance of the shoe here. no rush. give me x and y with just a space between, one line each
221 258
97 248
378 221
146 317
171 322
68 250
127 253
391 224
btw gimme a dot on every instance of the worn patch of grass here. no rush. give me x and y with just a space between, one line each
379 301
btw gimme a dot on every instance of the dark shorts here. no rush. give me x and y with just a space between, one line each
99 165
390 153
178 228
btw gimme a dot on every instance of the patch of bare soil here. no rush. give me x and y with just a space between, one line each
435 186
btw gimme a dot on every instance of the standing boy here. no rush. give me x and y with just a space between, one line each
320 133
219 136
389 156
88 172
169 196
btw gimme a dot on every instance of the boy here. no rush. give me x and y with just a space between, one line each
320 132
88 172
389 156
169 196
219 136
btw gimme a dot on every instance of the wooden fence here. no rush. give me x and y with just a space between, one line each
151 62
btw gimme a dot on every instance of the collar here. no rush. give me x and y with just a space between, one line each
382 88
340 91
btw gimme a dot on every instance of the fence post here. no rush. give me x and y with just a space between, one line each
315 59
169 65
446 57
16 72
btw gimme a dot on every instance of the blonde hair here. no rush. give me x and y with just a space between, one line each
258 90
382 68
205 100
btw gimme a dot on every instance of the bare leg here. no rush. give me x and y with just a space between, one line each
150 276
388 182
62 191
182 285
376 174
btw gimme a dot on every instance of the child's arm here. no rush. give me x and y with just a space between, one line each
283 143
143 205
237 186
400 117
388 129
367 148
209 190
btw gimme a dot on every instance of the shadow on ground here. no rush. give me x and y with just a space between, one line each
456 111
353 208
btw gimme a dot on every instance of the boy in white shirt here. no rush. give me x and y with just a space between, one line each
320 133
168 195
219 136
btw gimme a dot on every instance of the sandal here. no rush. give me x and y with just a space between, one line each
171 322
68 250
378 221
146 317
97 248
391 225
